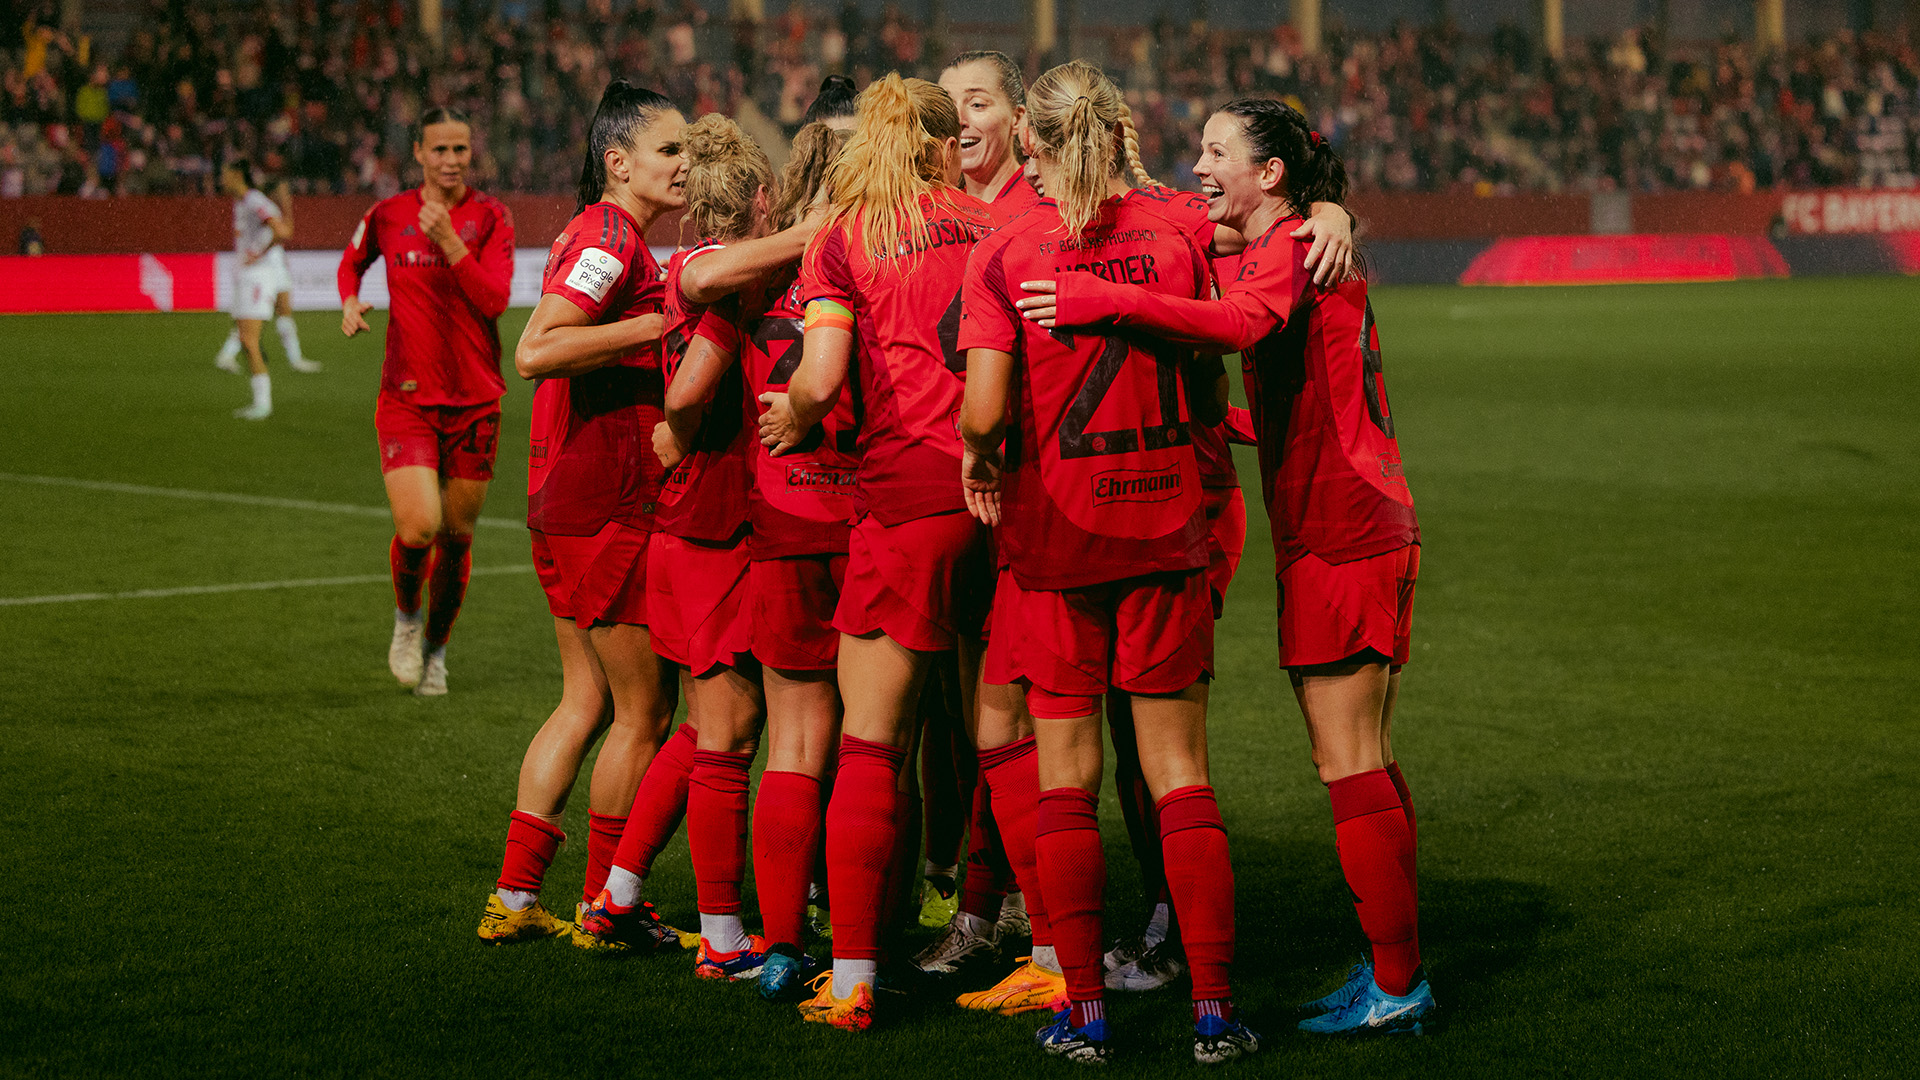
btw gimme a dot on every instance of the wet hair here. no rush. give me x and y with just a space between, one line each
1011 84
896 156
838 97
244 167
815 148
726 169
1074 113
625 109
1275 129
439 114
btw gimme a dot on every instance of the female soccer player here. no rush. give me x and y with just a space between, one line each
1105 535
258 228
883 271
1346 540
449 257
593 489
280 275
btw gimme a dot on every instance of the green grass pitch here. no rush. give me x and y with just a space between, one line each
1659 726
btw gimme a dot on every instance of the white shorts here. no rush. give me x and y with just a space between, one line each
255 286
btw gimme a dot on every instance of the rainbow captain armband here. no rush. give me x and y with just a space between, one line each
828 313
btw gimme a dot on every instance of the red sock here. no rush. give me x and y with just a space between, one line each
603 837
409 573
717 828
658 804
982 891
1011 775
947 773
1193 842
1073 872
786 837
452 564
1375 843
1406 800
531 844
902 882
861 831
826 799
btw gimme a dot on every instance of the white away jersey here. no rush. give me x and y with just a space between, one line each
252 236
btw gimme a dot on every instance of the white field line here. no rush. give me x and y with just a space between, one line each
230 497
245 586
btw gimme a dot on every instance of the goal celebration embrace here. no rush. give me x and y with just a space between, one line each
913 465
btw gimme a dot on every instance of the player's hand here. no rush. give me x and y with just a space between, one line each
1331 256
778 432
667 447
980 482
437 224
353 315
1043 306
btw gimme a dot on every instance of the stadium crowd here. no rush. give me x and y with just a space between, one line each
320 91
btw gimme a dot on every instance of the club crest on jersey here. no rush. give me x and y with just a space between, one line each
1136 485
595 273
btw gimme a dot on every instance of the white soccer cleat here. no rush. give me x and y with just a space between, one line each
433 675
406 655
253 412
304 367
964 940
1158 966
1013 922
228 364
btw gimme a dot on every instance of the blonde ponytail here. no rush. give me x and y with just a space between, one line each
1130 149
815 148
725 170
897 155
1075 113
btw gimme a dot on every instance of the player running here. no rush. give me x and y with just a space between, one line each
884 271
594 343
259 227
1346 539
448 251
281 275
1101 517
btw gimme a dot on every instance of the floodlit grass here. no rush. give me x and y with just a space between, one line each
1659 727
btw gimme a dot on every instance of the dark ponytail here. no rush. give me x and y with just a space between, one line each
838 98
624 110
1275 129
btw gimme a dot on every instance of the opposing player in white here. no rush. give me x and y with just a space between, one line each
260 277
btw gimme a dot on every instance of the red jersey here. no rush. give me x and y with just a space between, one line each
705 496
443 337
800 502
1102 484
906 325
591 459
1329 462
1013 198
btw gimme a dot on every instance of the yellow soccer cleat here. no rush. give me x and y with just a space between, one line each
851 1013
1028 989
500 924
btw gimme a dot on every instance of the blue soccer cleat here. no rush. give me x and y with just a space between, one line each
784 972
1359 977
1376 1012
1086 1045
1217 1039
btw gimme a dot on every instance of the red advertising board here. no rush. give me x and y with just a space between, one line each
107 283
1602 260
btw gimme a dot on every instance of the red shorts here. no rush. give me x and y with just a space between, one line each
696 601
456 441
1151 634
1226 540
595 579
923 582
793 600
1331 611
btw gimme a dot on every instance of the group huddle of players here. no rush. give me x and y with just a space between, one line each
920 449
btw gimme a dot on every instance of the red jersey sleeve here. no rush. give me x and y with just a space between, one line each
1239 426
1270 285
486 275
825 272
718 326
987 319
590 260
362 249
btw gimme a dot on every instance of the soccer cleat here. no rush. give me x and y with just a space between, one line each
1086 1045
740 964
253 412
1359 977
433 675
406 656
1158 966
1124 953
228 364
957 946
1027 989
597 926
303 366
1375 1012
1013 922
819 922
1217 1039
851 1013
938 904
785 971
500 924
